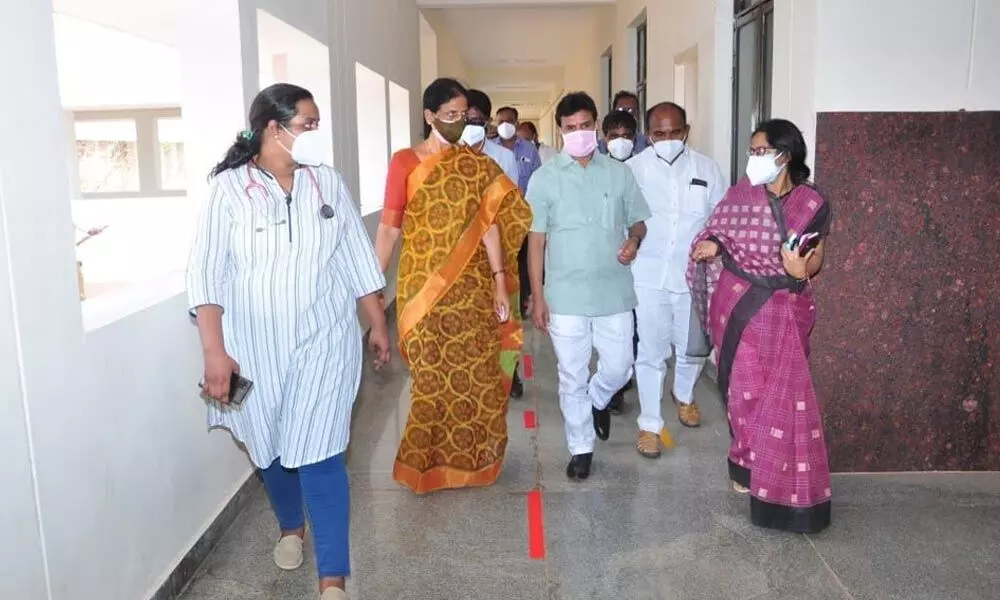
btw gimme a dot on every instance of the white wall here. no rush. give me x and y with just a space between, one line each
428 53
24 573
891 55
358 31
92 60
907 55
793 84
678 29
449 57
122 462
118 443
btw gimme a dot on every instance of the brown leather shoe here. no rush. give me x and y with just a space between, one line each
689 415
648 444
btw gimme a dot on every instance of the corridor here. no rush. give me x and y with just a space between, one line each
636 530
114 488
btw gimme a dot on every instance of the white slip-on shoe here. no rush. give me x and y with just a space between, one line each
288 553
334 593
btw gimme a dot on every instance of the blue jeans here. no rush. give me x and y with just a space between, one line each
327 494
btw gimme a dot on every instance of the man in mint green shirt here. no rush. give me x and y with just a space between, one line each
588 224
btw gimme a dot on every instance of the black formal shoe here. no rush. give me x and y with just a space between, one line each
516 387
578 468
617 404
602 423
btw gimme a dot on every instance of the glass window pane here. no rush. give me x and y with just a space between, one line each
746 93
170 138
766 67
107 155
641 54
641 92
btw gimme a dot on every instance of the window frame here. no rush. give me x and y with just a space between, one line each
608 60
147 148
641 70
761 11
741 7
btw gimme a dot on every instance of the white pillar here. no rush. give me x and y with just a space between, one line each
40 318
219 72
722 101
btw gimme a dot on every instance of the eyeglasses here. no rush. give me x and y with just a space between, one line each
760 150
452 115
307 124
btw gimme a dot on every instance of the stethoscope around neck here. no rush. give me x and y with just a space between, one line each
325 210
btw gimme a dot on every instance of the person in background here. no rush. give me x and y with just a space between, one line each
588 224
462 222
474 135
619 130
682 188
528 132
280 258
749 273
627 102
528 162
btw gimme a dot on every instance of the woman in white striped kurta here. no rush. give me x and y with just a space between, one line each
286 275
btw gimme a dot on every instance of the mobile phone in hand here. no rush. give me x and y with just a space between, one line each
807 243
239 388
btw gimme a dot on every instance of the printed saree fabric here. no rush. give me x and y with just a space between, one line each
759 320
461 358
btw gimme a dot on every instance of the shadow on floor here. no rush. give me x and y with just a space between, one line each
637 530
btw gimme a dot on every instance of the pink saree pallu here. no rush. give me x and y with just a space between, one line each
759 320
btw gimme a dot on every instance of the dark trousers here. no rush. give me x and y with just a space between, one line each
522 268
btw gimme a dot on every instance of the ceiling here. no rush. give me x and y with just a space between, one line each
491 37
515 51
510 3
156 20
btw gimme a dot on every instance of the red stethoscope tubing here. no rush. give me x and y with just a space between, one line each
325 208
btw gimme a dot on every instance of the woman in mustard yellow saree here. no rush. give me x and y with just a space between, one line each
462 222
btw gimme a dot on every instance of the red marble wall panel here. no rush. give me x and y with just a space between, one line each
906 354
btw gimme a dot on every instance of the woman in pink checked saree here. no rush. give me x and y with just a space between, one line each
752 290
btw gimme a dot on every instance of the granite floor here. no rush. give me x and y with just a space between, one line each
638 529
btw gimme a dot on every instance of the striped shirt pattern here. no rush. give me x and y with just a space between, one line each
288 281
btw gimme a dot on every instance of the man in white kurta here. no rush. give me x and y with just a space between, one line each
288 280
681 187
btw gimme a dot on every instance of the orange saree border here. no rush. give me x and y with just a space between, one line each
440 478
439 282
420 173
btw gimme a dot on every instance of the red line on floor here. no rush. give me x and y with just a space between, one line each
536 526
527 366
530 421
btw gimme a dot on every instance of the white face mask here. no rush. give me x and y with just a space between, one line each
506 130
763 170
473 135
309 147
621 148
669 150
